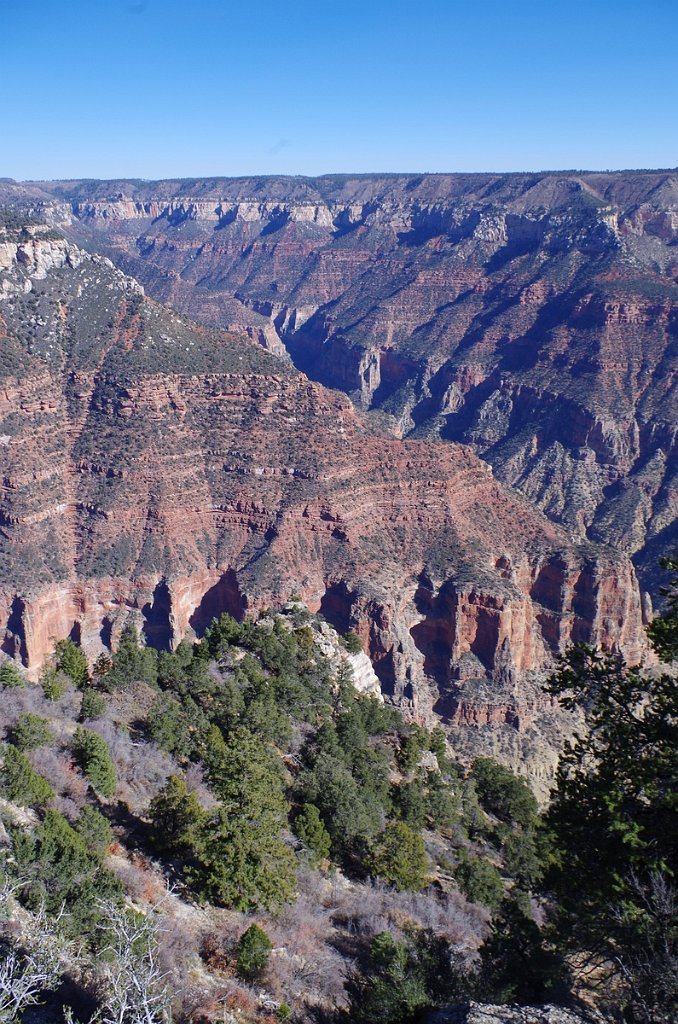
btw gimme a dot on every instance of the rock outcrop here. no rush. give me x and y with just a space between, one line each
483 1013
531 316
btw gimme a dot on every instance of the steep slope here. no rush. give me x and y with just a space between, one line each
534 317
157 469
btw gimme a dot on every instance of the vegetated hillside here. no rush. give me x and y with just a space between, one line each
533 316
232 831
248 775
163 472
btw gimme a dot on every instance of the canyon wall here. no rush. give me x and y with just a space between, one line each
160 470
532 317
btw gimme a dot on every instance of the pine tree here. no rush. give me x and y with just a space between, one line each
131 662
10 677
70 660
19 782
241 859
93 705
31 731
402 979
176 816
614 821
314 837
253 949
61 872
92 754
398 855
94 830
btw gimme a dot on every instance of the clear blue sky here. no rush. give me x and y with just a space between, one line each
163 88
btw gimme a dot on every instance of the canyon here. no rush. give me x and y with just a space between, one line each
492 474
533 317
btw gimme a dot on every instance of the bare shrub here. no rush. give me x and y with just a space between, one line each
33 959
221 931
195 783
301 927
216 955
132 986
60 714
58 768
142 878
368 908
241 1000
142 768
69 808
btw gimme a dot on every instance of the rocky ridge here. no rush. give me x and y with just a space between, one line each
161 470
533 317
482 1013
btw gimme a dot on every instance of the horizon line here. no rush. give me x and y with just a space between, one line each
345 174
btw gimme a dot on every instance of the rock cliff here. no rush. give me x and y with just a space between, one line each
155 468
533 317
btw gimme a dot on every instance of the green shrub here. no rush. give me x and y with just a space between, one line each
438 743
267 721
102 666
31 731
61 872
398 855
402 979
442 803
502 793
480 881
93 705
54 684
525 855
352 643
170 727
426 798
309 829
94 758
613 823
19 782
409 800
94 830
10 676
517 964
239 858
70 660
131 663
474 819
253 949
175 816
346 809
218 637
412 747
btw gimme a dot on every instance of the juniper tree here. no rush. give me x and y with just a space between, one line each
614 820
240 858
92 754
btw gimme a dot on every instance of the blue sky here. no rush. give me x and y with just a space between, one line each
162 88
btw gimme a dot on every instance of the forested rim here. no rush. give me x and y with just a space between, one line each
232 831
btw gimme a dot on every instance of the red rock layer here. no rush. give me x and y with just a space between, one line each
154 470
531 316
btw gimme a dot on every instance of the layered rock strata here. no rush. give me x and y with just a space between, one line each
160 471
534 317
